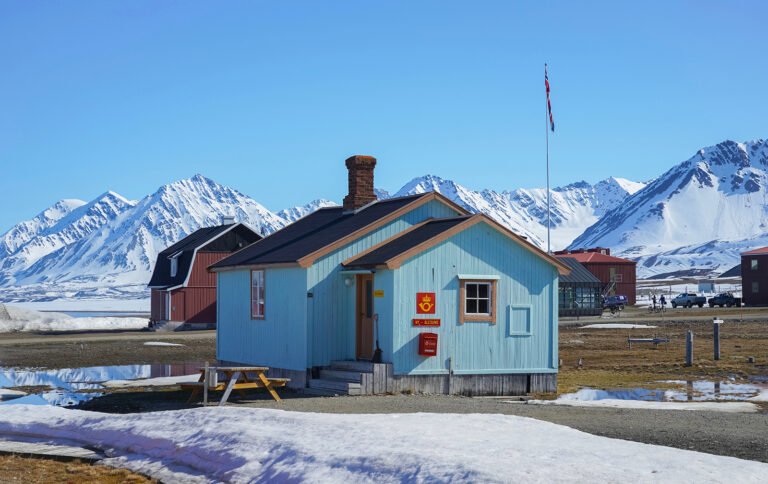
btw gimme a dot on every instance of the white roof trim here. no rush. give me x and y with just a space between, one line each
476 277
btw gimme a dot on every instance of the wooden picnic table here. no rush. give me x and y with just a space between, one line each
234 378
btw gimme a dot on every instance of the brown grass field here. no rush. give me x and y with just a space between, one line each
14 469
607 361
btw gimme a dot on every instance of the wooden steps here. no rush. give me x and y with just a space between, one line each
340 387
344 377
351 365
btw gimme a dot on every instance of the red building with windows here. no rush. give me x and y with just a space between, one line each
182 289
754 277
618 276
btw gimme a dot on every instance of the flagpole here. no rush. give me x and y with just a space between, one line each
546 130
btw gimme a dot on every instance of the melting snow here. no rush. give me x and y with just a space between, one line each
261 445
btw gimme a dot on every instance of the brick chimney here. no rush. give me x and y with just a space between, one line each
360 181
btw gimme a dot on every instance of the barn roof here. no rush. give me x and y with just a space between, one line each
596 258
579 274
184 251
324 230
760 251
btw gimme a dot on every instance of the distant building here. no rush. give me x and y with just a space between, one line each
579 293
754 277
618 276
182 289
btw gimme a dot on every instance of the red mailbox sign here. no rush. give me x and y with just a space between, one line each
425 303
426 322
427 344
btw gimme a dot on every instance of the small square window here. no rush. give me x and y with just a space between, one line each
478 301
753 264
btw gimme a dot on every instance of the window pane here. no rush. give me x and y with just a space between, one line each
483 289
753 264
471 306
471 290
483 306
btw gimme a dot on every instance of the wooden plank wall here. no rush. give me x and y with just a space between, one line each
526 281
332 308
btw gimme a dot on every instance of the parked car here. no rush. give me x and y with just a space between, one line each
615 302
724 299
688 300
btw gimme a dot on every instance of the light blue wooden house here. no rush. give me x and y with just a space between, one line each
404 294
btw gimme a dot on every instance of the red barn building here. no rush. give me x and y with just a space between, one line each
618 276
182 289
754 277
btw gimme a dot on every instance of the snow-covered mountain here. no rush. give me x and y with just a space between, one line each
107 248
574 207
693 219
294 213
110 244
699 214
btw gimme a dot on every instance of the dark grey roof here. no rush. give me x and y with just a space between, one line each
732 272
313 232
579 274
161 275
407 241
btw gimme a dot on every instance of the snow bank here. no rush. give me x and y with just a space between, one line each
160 343
616 326
260 445
30 320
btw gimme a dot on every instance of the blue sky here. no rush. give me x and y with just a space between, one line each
271 97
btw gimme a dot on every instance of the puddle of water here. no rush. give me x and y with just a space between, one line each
692 391
67 385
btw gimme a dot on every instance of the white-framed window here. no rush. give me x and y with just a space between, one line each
753 264
175 263
478 301
258 291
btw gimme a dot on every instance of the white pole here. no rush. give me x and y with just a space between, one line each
546 129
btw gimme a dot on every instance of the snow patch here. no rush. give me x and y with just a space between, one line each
616 326
29 320
261 445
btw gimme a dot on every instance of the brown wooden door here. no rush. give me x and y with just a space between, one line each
364 309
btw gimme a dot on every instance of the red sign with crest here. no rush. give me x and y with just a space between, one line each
425 303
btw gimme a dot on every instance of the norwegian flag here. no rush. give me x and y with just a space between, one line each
549 104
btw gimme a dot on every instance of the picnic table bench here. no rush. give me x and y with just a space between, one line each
234 378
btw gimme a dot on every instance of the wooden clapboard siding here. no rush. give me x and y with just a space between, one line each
332 307
526 281
200 277
280 339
